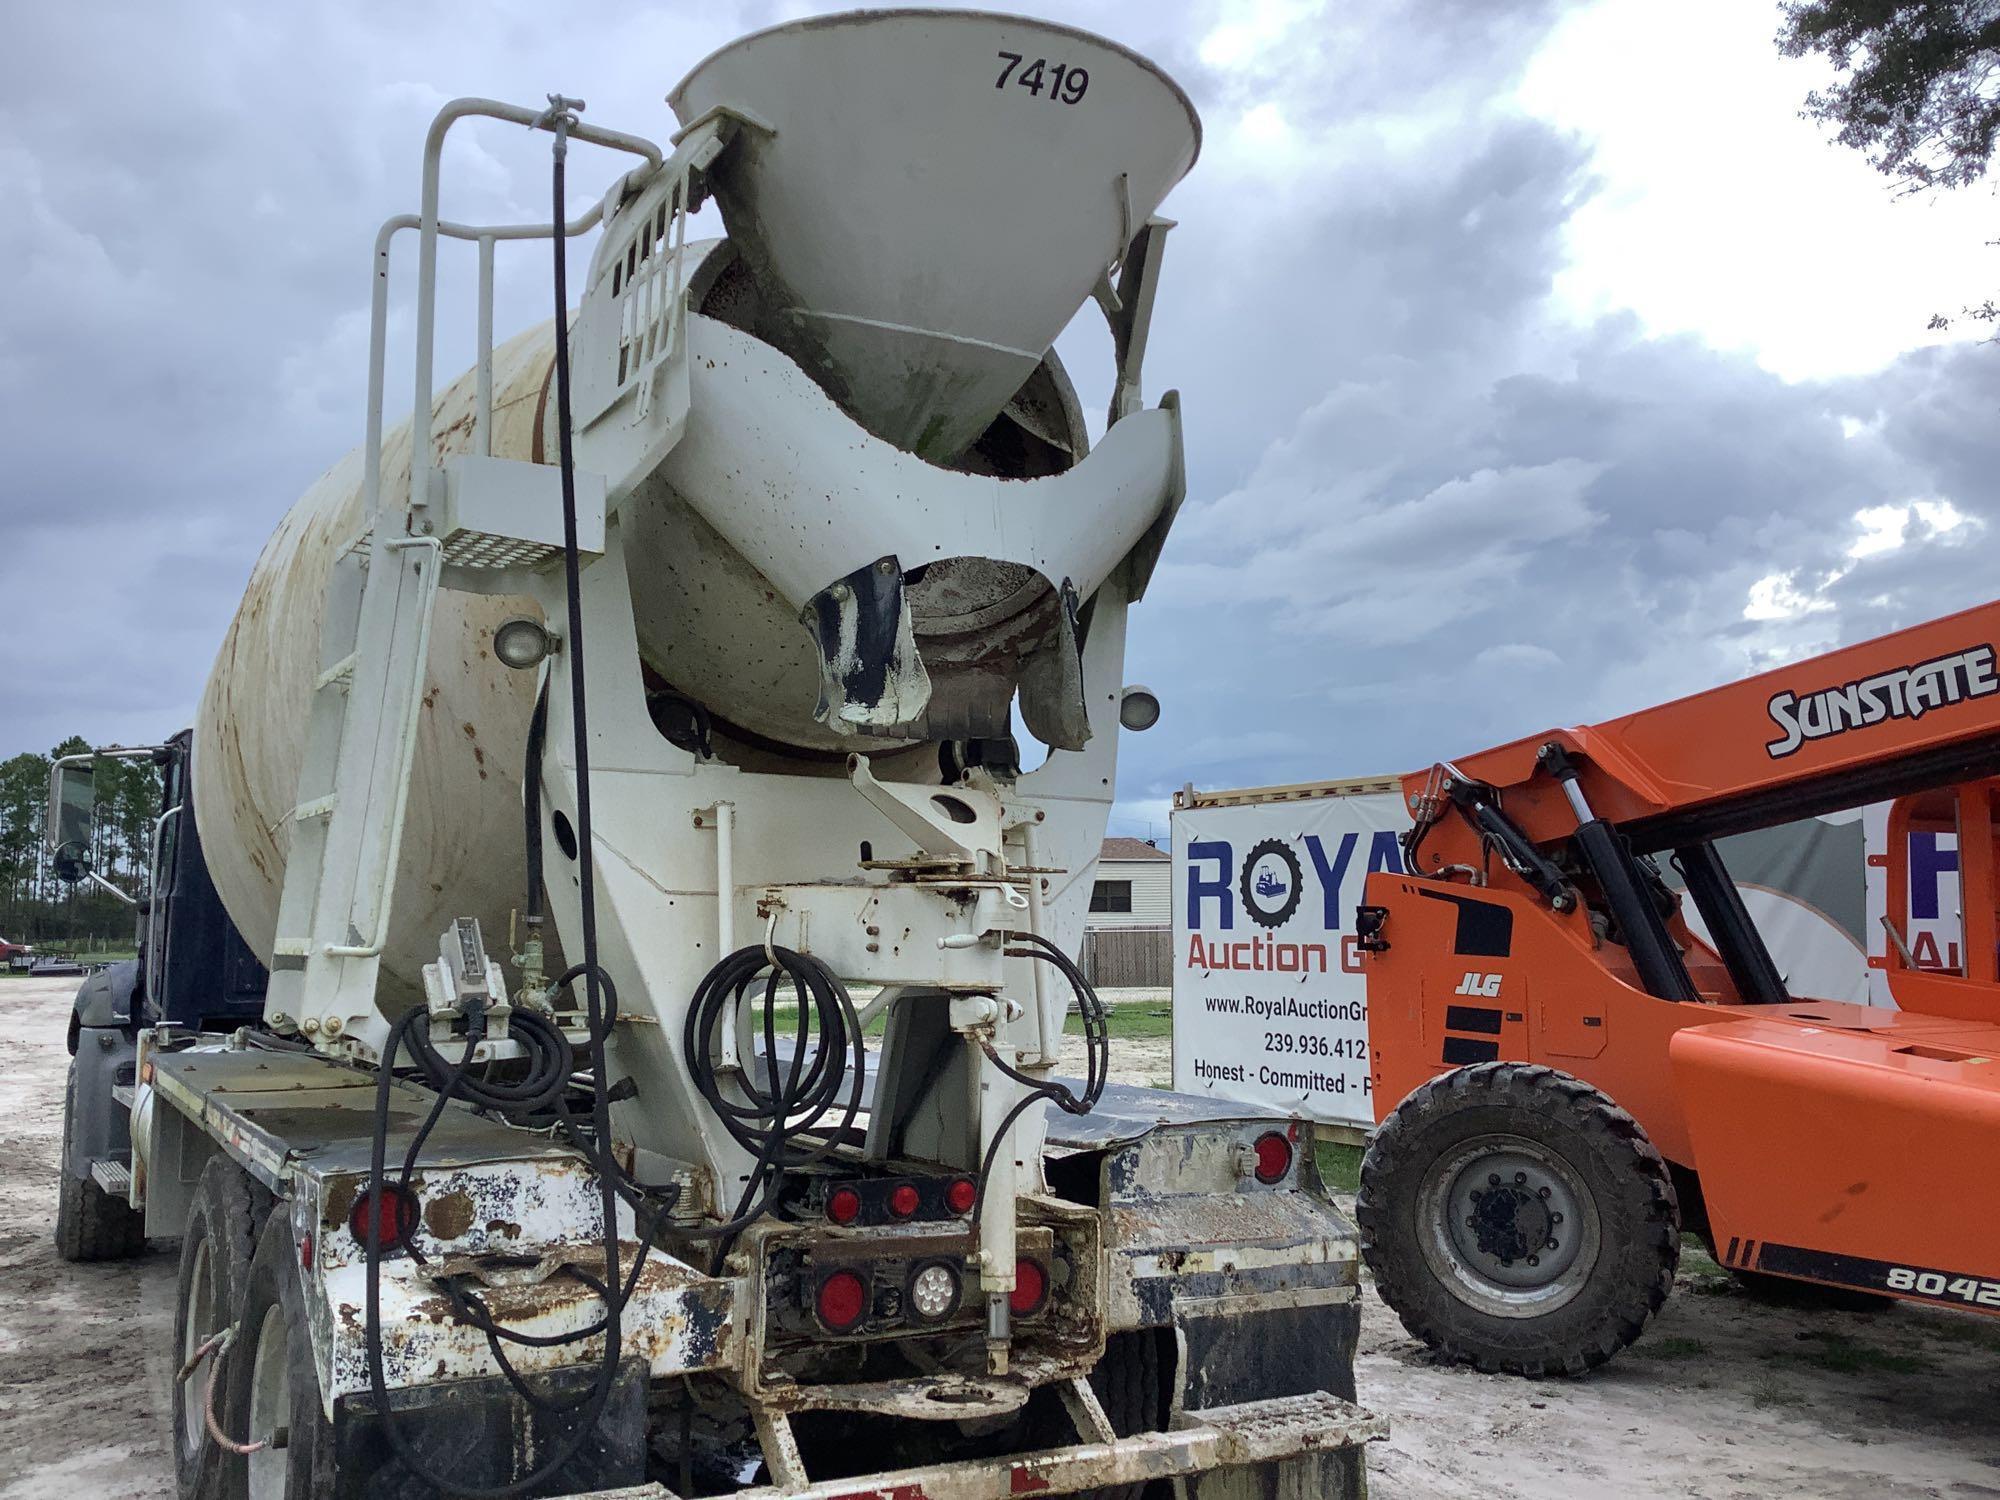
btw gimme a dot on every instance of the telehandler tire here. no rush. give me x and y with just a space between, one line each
228 1210
273 1383
1517 1220
90 1223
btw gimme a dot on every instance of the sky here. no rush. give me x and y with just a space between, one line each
1538 362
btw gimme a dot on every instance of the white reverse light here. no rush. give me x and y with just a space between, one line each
1138 708
933 1292
522 643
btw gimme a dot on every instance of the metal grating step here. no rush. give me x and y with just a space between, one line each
1260 1430
113 1176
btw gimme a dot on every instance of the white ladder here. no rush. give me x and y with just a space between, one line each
354 784
472 525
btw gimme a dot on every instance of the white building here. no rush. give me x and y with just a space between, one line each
1132 888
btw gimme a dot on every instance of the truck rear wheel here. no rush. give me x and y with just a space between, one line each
90 1223
273 1383
216 1247
1517 1220
1131 1387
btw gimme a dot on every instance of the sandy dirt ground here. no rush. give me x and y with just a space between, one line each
1724 1398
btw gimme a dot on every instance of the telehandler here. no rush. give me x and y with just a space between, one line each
1568 1073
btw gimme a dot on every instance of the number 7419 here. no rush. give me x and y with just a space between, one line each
1064 83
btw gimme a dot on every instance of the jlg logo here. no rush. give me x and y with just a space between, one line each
1483 985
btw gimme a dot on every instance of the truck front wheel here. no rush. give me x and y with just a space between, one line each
90 1223
1517 1220
273 1384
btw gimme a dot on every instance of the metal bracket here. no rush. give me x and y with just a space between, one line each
1086 1411
781 1448
958 824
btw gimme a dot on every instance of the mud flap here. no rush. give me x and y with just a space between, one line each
1237 1356
484 1435
1338 1475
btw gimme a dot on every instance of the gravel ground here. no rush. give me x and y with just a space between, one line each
1725 1398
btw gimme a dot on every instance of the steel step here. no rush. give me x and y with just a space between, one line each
112 1176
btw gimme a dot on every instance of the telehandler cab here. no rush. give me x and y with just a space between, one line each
1569 1072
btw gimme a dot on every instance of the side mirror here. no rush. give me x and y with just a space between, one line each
72 807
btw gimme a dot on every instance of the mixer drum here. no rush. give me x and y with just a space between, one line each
709 626
462 844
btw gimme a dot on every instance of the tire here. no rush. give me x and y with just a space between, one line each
90 1223
221 1235
1131 1388
1569 1246
272 1382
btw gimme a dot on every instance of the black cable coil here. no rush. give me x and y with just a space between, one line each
799 1095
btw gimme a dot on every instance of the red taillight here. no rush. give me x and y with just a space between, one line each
1274 1157
843 1205
961 1195
395 1217
1031 1289
903 1200
842 1301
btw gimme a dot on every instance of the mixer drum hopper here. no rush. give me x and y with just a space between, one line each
932 196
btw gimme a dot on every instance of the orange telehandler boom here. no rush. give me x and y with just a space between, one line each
1568 1072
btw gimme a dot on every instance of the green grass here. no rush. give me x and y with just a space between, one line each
1699 1271
1981 1333
1340 1166
1844 1355
1130 1021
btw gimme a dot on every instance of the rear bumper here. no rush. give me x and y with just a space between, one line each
1316 1439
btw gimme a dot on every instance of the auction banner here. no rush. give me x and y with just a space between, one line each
1270 1004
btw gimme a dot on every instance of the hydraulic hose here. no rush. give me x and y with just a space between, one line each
1097 1057
802 1097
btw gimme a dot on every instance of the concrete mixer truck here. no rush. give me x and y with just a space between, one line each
601 993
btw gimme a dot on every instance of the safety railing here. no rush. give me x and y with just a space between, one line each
430 227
